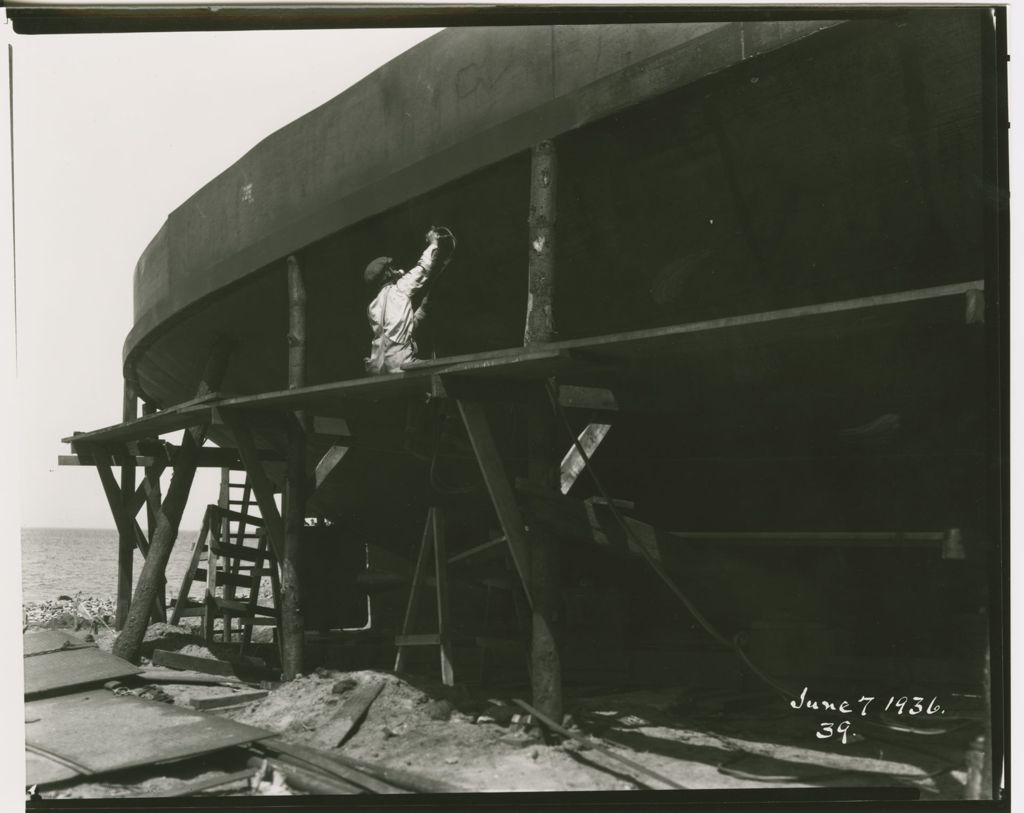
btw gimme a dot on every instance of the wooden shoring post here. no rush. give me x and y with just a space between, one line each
127 527
415 587
292 623
544 471
151 486
543 463
152 578
293 627
441 575
151 489
540 326
126 535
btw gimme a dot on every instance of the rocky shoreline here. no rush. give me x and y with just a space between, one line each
70 612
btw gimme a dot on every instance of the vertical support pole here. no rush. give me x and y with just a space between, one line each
152 487
126 541
540 326
414 589
543 462
129 641
223 538
152 577
441 579
292 622
543 472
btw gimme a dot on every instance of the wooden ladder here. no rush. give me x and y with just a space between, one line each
231 554
433 540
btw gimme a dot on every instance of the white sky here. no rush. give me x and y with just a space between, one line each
111 133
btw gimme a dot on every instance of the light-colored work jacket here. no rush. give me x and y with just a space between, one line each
393 319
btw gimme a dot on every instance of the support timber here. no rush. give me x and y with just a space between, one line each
152 578
543 462
126 535
293 627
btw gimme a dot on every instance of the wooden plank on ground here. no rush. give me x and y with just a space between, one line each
349 715
34 643
102 732
160 674
44 769
223 700
299 755
75 663
210 666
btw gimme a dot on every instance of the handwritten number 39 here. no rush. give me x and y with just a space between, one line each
829 729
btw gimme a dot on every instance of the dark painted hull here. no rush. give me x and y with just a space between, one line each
703 171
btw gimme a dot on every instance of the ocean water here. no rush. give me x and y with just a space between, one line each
65 561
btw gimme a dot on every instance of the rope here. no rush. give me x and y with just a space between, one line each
734 643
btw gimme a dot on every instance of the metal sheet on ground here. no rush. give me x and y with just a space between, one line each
101 732
43 770
34 643
56 660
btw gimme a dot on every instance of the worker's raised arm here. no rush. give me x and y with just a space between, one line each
435 257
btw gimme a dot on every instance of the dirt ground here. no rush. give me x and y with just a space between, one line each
471 740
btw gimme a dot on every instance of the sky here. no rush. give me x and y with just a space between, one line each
111 133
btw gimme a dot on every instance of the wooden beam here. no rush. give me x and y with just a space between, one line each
498 486
597 398
223 700
124 532
209 458
261 485
110 460
126 541
173 419
330 426
574 461
544 474
441 589
805 322
152 578
490 544
347 718
151 488
293 626
542 460
414 590
238 516
541 278
589 521
331 458
186 583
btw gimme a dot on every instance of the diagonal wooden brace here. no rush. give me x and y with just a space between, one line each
500 489
261 485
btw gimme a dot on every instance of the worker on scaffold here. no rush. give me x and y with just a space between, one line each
399 304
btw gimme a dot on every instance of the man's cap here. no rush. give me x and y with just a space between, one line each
376 269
